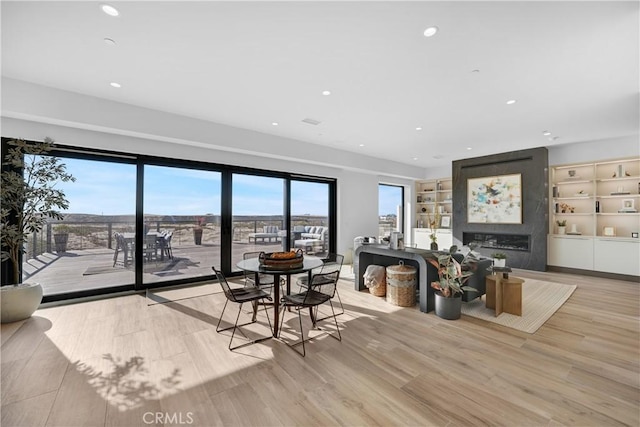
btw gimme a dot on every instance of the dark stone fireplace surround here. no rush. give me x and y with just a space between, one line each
533 164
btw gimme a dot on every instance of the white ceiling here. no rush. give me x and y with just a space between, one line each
571 66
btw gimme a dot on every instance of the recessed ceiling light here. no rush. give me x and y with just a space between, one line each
511 102
418 128
109 41
274 123
546 133
361 145
475 71
326 92
431 31
415 158
469 148
116 85
109 10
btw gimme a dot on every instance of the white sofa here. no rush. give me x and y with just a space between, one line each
313 239
268 232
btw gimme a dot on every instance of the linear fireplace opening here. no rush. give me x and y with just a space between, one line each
512 242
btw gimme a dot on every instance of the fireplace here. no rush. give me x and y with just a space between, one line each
512 242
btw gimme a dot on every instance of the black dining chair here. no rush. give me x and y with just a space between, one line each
330 264
320 290
240 296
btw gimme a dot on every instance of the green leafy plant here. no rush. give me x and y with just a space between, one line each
61 228
499 255
451 277
561 222
29 196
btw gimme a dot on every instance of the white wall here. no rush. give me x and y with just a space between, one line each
591 151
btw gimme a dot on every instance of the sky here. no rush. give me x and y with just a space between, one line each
389 198
105 188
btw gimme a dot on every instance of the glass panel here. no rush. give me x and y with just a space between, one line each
182 223
78 253
310 217
390 199
258 215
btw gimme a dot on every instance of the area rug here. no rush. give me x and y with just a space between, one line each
540 300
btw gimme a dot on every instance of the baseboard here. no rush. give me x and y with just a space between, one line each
604 275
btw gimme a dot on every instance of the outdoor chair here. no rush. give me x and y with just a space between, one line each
125 248
332 263
167 245
321 290
151 248
240 296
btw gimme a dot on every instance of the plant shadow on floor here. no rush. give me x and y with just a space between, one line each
124 385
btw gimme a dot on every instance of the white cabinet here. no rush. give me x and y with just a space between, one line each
617 256
571 252
422 238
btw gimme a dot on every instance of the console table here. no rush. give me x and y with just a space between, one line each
382 255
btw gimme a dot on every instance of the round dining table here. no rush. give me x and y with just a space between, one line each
253 266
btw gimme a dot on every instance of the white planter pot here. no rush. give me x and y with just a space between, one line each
562 230
19 301
499 262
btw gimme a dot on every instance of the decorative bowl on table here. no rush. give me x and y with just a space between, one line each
281 260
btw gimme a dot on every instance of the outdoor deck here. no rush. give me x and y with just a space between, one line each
87 269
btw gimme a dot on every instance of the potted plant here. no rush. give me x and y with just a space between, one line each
61 237
562 225
198 230
499 259
451 284
29 198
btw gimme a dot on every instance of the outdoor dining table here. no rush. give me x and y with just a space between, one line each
130 239
253 265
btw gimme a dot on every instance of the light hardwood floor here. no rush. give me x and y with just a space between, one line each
122 362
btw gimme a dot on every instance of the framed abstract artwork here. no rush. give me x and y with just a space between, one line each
495 199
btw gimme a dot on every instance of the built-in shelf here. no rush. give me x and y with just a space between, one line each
608 239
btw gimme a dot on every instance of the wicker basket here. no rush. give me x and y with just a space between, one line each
401 285
375 280
380 290
271 261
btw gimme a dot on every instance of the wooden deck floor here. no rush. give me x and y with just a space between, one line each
67 272
120 361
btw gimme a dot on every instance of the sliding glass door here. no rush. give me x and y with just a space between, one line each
80 253
182 223
135 222
257 215
310 217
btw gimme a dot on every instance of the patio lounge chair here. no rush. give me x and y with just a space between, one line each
268 232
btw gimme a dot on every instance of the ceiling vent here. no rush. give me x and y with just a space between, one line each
311 121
